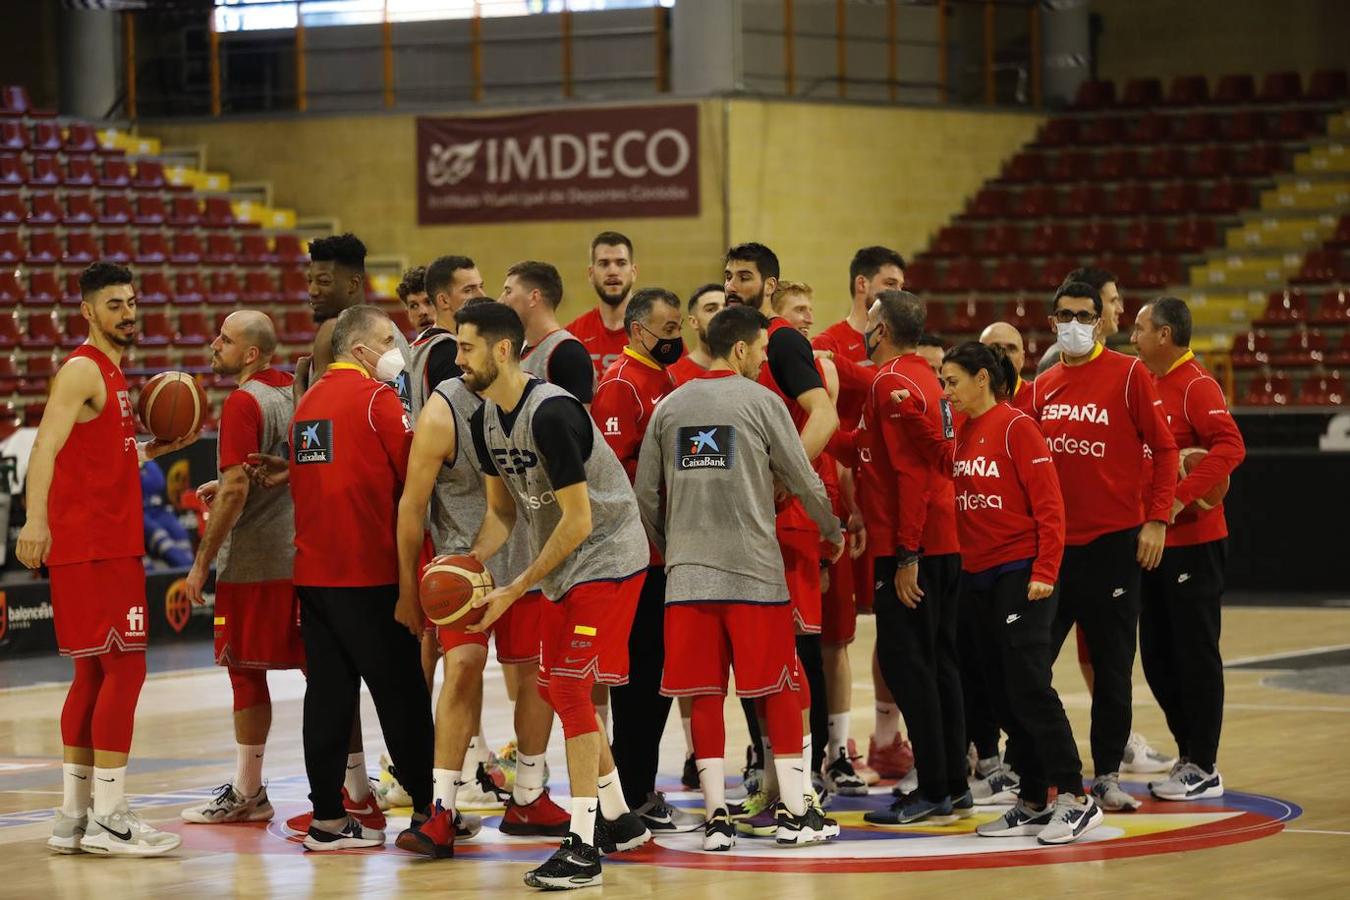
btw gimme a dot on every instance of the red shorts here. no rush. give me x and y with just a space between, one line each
517 632
864 588
704 641
258 626
801 566
99 606
585 634
839 616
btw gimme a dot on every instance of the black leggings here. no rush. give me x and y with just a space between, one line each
916 649
1014 642
351 636
813 667
640 712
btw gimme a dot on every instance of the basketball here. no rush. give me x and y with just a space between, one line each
172 405
449 585
1190 458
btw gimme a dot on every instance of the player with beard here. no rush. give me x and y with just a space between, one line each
412 293
706 302
84 524
750 277
612 273
451 281
252 531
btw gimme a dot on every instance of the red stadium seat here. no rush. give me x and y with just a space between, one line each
1252 349
1024 314
1067 165
1196 128
80 172
225 288
952 240
970 316
155 329
1194 236
150 210
1044 239
1293 125
41 331
1103 131
1150 128
1059 132
961 275
44 247
187 288
1339 354
13 136
989 203
1226 197
217 213
1326 389
14 102
289 250
253 249
116 210
1271 390
32 413
80 248
193 330
185 212
1334 309
46 137
1034 202
12 208
1120 266
1093 238
154 289
1328 86
116 248
9 332
1157 271
80 209
12 291
1052 273
1243 126
151 248
1340 238
1258 161
1129 199
81 138
920 275
115 173
1162 163
149 176
1319 267
998 240
221 249
43 209
1141 93
1303 348
1010 276
1188 90
1280 87
9 383
1235 90
259 287
1094 95
1114 165
187 249
43 287
1173 199
75 328
297 327
1207 162
39 369
13 170
1023 167
46 170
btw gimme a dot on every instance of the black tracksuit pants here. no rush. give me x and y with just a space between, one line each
640 712
982 727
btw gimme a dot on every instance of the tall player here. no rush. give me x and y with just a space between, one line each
1098 410
704 303
612 272
412 293
547 469
723 442
251 536
84 524
1179 621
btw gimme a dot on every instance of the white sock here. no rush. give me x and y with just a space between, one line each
602 713
791 781
712 777
806 758
357 781
888 724
76 789
688 724
477 753
838 725
612 804
583 818
770 770
248 770
109 789
445 783
529 779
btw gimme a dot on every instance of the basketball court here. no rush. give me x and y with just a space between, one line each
1277 832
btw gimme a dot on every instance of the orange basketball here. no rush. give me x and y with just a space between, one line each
449 585
1190 458
172 405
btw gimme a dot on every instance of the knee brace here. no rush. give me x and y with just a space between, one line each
571 700
77 715
708 727
115 710
250 688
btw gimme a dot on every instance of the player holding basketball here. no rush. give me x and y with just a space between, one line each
84 523
724 442
1179 621
612 272
548 470
250 534
704 303
1099 409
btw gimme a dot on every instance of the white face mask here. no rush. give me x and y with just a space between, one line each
390 365
1075 338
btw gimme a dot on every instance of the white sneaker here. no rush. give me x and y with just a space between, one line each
230 806
663 817
349 836
1072 819
67 832
997 788
124 834
907 785
1141 759
1189 782
1020 821
1107 791
388 791
481 792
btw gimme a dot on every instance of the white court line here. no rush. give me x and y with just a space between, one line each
1311 651
1317 831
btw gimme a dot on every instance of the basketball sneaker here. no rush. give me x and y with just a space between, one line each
999 787
1111 796
758 817
576 864
660 815
540 817
912 809
229 805
1141 759
433 836
892 761
350 835
124 834
506 762
389 789
1019 821
367 812
627 832
67 832
483 792
1072 819
868 774
842 778
812 827
1189 782
907 785
689 777
963 807
719 833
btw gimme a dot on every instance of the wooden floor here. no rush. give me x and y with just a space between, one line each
1285 744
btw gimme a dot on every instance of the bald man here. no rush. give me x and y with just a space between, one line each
1009 339
252 530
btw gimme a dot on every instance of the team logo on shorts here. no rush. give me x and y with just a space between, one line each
706 447
313 441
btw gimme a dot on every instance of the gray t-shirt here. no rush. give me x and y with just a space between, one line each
261 546
715 445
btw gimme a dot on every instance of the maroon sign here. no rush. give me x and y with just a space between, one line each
611 162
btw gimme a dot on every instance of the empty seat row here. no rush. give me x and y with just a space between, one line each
82 208
1324 266
1138 236
965 275
1325 86
14 103
46 136
85 171
184 328
1304 347
148 248
1157 164
1292 306
1242 127
1130 198
43 288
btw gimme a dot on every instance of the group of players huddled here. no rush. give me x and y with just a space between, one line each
655 517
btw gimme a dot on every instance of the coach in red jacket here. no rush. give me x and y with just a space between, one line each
1179 620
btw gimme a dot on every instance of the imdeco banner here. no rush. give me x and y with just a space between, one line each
610 162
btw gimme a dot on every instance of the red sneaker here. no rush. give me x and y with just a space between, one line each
869 775
894 761
542 817
367 812
434 837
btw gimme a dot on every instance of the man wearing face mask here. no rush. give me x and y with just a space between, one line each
1098 409
623 407
349 455
1109 321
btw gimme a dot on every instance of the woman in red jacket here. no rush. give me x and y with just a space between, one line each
1010 519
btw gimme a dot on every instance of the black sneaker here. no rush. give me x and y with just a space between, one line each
576 864
659 815
689 777
841 777
810 828
626 832
719 833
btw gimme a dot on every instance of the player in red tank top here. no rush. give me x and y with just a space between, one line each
84 523
612 272
704 303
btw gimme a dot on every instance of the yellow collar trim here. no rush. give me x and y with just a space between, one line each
337 366
628 351
1184 358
